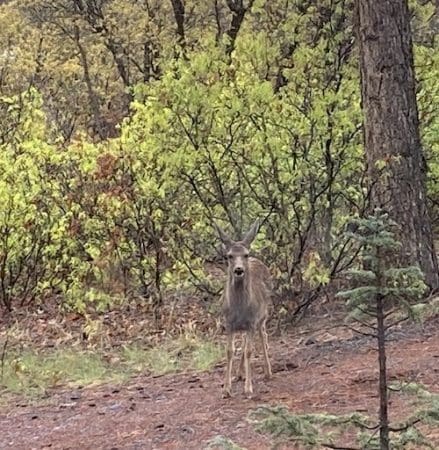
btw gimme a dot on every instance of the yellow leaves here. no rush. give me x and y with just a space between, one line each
315 273
58 231
69 69
387 161
422 11
128 22
18 46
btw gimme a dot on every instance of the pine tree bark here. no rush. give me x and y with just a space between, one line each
396 164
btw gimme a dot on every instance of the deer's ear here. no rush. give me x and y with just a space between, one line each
224 238
251 234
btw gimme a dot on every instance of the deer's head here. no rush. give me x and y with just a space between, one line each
237 252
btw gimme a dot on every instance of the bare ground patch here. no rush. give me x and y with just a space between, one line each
327 372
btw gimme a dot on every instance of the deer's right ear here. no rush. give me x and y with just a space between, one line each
224 238
251 234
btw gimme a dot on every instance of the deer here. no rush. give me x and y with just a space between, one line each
246 300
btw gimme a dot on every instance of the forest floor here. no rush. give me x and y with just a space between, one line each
328 370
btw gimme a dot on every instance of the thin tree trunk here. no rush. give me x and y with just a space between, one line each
179 14
396 164
384 417
238 11
381 341
93 99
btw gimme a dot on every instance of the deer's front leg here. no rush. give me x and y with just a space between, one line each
230 350
248 386
264 339
241 371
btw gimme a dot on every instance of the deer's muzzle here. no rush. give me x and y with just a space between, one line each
239 271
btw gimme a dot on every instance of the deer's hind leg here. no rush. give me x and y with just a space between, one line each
264 338
227 391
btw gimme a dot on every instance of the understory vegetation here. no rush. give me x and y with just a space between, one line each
32 372
327 431
268 130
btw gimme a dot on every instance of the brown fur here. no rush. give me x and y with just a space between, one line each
246 300
245 304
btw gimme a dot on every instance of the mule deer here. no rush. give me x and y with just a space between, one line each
246 299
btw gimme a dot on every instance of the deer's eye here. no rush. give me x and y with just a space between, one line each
246 256
229 256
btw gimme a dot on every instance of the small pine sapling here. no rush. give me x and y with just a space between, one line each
382 296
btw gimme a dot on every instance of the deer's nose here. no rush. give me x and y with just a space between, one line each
239 271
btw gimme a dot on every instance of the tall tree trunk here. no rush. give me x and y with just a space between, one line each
396 163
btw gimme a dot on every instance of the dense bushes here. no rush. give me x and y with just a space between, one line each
212 139
133 215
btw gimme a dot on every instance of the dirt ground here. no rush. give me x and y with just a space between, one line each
326 371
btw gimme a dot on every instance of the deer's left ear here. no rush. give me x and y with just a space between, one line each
251 234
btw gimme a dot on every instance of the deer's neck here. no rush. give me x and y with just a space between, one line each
239 289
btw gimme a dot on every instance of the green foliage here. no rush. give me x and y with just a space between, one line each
136 211
426 406
223 135
427 403
188 352
206 355
101 200
27 223
279 423
426 54
382 291
160 362
307 430
325 430
377 240
222 443
30 372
